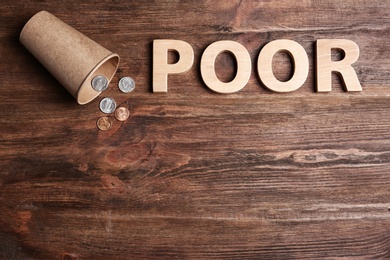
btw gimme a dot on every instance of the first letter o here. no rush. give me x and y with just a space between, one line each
207 66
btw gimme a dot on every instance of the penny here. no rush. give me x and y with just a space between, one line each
126 84
99 83
122 114
107 105
104 123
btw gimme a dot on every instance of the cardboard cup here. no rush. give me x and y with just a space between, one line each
72 58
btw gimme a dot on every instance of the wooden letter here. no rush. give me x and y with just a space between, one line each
300 64
325 65
161 67
207 66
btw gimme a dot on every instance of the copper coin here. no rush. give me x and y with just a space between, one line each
104 123
122 114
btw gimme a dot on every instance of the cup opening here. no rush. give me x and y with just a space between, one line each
107 68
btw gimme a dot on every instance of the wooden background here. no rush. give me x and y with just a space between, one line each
192 173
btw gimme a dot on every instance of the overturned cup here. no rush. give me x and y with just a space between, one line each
70 56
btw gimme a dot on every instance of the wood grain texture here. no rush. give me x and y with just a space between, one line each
191 173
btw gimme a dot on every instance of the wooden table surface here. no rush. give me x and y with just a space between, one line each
193 173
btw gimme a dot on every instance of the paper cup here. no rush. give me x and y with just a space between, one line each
72 58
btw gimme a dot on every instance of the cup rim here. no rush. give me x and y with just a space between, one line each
86 93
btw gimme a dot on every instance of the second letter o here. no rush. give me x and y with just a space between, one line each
300 64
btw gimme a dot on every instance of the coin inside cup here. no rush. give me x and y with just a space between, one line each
99 83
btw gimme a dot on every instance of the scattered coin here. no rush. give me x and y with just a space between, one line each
126 84
107 105
122 114
104 123
99 83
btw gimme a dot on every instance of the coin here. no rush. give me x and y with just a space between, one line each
104 123
122 114
99 83
107 105
126 84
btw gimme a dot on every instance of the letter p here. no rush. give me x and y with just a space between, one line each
161 67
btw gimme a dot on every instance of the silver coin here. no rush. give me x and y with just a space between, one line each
107 105
126 84
99 83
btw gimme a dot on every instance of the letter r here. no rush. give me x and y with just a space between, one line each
325 65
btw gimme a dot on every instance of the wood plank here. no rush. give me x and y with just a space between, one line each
193 173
